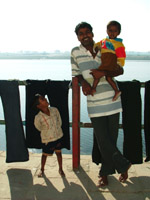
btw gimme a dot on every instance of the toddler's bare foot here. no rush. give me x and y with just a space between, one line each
103 181
117 94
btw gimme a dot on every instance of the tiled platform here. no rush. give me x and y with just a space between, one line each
19 181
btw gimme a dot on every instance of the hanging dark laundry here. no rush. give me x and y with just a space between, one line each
32 134
131 120
16 150
147 119
57 92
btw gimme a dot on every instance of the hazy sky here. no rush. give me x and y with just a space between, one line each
47 25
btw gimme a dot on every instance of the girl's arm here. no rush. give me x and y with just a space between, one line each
37 123
58 117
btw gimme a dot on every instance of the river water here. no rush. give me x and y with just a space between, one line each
41 69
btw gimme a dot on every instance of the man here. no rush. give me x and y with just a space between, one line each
103 112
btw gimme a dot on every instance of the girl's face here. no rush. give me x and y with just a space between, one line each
112 32
42 102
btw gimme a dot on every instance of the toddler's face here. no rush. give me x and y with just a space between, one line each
112 32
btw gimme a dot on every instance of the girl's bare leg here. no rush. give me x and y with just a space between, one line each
59 159
43 161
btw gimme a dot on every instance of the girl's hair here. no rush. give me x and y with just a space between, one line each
35 101
114 23
83 25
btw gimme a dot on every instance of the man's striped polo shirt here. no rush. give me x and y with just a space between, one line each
101 103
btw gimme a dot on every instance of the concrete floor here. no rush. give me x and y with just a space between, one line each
19 181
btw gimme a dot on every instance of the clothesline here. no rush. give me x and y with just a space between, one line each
82 124
131 115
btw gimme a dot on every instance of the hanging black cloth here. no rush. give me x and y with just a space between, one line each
57 92
16 149
32 134
147 119
131 120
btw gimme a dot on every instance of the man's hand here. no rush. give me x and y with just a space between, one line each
99 74
86 88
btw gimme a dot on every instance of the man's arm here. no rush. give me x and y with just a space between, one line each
99 74
86 87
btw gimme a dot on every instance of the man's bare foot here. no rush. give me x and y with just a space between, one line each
41 174
103 181
147 159
124 176
61 172
117 94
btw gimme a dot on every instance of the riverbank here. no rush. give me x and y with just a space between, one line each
64 55
19 181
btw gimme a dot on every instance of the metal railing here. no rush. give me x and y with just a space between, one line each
75 124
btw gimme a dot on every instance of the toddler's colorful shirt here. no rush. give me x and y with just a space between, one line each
114 46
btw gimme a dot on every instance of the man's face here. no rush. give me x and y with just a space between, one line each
85 36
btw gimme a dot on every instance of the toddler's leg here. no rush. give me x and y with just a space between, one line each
114 86
95 82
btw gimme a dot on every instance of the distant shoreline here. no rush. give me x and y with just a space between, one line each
59 58
66 55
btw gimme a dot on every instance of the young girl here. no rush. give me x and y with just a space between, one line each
48 122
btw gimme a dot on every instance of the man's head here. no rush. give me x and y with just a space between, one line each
113 29
83 25
84 32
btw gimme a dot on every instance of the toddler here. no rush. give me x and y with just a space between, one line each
112 55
